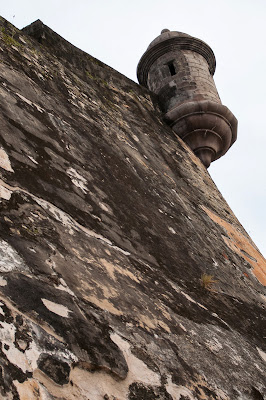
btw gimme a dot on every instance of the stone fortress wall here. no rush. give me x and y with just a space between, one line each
123 272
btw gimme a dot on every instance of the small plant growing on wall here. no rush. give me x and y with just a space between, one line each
207 282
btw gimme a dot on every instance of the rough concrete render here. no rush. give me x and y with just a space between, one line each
124 273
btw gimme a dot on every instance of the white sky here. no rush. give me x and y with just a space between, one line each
118 32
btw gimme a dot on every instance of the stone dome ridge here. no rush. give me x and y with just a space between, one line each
165 35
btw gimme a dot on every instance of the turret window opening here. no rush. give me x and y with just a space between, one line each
171 68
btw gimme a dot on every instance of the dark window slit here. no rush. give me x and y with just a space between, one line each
172 69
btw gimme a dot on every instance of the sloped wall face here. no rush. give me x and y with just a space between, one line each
124 274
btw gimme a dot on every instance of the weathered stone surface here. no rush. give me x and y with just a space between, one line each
112 233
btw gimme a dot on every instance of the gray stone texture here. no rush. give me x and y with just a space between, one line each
124 273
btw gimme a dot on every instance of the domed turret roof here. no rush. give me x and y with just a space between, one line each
169 41
165 35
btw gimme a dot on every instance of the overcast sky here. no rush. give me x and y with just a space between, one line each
118 32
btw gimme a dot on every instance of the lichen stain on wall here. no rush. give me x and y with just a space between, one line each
240 244
5 193
4 161
31 390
